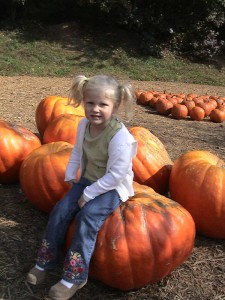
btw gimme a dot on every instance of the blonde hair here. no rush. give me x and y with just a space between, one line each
122 94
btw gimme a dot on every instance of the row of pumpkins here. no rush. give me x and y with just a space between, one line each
180 106
148 236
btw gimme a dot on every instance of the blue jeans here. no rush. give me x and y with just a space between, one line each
89 220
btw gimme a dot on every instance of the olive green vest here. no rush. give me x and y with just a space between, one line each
96 150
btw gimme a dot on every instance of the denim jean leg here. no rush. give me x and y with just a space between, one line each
89 221
61 216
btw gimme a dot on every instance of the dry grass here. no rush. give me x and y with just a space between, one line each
201 277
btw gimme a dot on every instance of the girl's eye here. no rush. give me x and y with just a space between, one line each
100 104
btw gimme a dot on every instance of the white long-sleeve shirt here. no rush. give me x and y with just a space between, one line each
119 174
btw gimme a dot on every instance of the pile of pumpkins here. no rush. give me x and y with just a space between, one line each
149 235
181 106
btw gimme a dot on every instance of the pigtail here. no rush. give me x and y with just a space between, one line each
128 98
76 90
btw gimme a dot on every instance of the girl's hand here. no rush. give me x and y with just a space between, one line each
81 202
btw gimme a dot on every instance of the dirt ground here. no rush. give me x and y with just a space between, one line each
201 277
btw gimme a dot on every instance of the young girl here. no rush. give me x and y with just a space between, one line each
103 152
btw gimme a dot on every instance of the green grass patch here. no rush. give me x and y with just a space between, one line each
36 53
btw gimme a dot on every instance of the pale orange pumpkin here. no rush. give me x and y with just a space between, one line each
152 164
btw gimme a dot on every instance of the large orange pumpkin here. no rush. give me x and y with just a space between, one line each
197 182
51 107
62 128
152 164
42 174
142 241
16 142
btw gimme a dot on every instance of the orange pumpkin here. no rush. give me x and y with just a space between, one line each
152 164
153 101
173 100
213 103
42 174
142 241
197 182
191 96
207 106
221 107
62 128
197 113
179 111
220 101
217 115
163 106
16 143
145 97
189 104
51 107
138 93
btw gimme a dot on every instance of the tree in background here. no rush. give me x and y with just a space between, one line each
191 28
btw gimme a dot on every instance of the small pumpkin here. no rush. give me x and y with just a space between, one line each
51 107
153 101
173 100
217 115
163 106
62 128
179 111
191 96
189 104
197 182
141 242
220 101
197 113
42 174
145 97
16 142
213 103
207 106
138 92
152 164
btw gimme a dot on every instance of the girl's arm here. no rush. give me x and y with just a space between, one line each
73 165
75 158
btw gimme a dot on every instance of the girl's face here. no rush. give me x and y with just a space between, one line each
98 108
